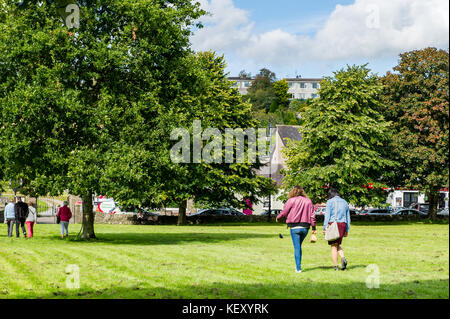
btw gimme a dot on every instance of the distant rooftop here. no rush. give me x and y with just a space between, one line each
299 79
289 131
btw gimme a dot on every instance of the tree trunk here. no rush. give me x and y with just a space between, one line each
182 213
433 199
88 217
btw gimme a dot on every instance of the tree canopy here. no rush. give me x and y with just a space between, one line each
416 100
344 141
67 96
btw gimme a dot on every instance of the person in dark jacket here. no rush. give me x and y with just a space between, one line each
65 214
21 211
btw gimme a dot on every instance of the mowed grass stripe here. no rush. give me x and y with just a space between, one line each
231 262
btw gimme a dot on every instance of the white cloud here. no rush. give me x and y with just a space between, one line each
365 29
227 27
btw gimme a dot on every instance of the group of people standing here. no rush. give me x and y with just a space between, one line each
20 213
299 212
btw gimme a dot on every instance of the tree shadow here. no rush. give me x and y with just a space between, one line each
171 238
400 223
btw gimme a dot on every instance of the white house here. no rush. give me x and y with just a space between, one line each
299 88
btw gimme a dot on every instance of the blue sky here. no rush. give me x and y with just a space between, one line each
315 38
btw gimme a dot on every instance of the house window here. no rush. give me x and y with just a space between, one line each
291 84
303 85
246 84
313 95
410 199
292 96
315 85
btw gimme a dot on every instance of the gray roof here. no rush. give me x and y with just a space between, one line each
304 79
289 131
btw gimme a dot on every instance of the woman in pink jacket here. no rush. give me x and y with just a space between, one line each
299 213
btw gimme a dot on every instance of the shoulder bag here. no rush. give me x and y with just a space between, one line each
332 231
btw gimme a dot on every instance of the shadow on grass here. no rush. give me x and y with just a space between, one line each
299 288
349 268
169 238
400 223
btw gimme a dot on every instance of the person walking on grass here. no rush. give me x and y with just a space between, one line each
337 209
65 215
21 210
10 216
31 219
299 213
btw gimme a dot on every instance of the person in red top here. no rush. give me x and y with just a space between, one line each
65 215
299 213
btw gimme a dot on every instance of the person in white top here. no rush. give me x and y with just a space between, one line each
31 219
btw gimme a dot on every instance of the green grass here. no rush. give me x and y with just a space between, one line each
228 261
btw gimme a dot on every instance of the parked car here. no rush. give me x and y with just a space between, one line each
218 212
423 207
274 212
443 211
408 212
376 212
136 210
320 210
354 212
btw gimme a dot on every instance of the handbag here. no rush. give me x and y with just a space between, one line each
58 219
332 231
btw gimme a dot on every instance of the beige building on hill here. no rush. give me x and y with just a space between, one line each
299 88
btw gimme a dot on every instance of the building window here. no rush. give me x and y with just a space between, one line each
410 199
246 84
303 85
292 96
315 85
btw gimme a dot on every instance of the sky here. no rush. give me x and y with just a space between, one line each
314 38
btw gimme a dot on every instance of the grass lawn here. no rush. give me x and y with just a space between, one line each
225 261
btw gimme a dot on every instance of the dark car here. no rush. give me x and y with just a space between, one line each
408 212
136 210
354 212
273 212
443 211
218 212
376 212
423 207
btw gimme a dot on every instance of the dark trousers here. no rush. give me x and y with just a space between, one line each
10 225
20 222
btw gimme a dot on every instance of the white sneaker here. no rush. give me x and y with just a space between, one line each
298 271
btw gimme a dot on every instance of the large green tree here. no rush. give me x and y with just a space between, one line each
207 96
344 140
68 95
416 100
261 93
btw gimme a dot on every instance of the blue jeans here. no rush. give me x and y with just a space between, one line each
298 235
64 226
